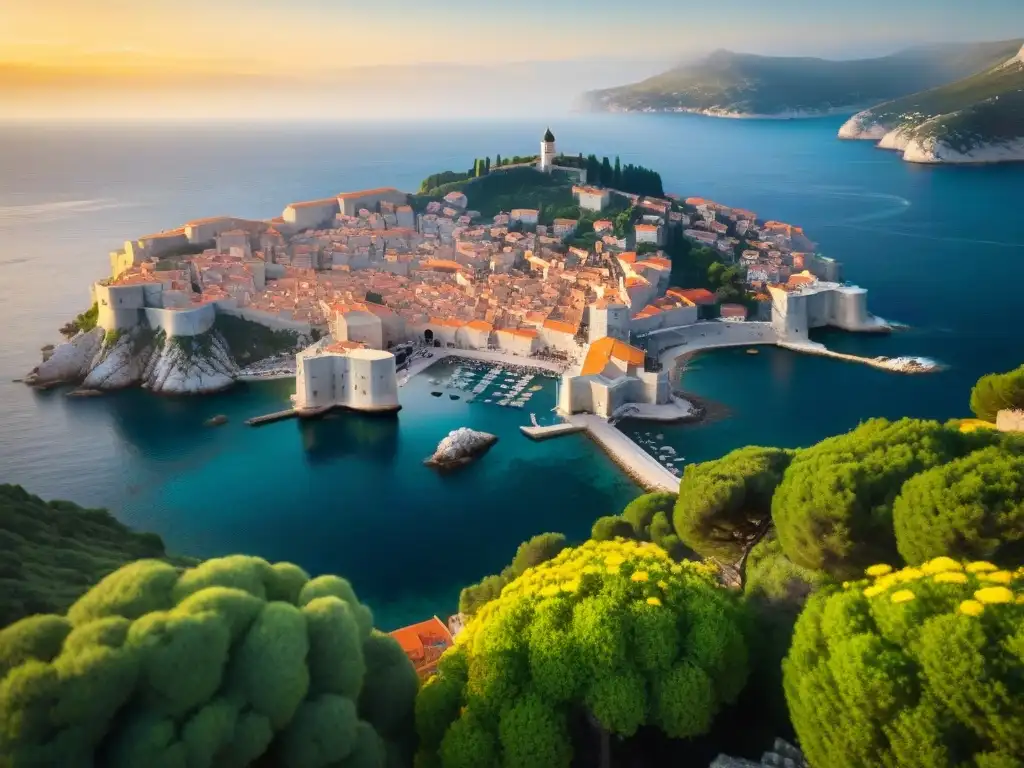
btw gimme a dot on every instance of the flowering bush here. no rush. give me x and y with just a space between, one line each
221 665
918 667
614 629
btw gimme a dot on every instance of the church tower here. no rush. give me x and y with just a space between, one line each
547 151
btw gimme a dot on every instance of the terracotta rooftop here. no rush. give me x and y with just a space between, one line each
606 349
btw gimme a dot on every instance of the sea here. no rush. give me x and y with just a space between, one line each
940 250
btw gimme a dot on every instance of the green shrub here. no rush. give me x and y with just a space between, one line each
640 511
922 667
970 508
530 553
998 391
614 627
231 661
833 508
724 504
611 526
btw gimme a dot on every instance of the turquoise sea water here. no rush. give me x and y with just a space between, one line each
939 249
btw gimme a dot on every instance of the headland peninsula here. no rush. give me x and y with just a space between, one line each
580 266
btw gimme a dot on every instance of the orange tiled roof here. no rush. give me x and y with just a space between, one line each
365 193
603 350
480 325
696 295
312 203
526 332
560 326
628 256
424 643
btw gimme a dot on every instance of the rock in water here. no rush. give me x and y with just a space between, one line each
216 421
461 446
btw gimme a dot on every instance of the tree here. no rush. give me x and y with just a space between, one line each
617 173
610 527
833 508
724 506
487 165
613 630
996 392
922 667
214 666
972 507
529 554
52 552
606 173
497 161
640 512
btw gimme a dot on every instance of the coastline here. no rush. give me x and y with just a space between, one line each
712 112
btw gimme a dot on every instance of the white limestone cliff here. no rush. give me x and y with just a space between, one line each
460 447
178 369
932 151
70 361
176 365
863 126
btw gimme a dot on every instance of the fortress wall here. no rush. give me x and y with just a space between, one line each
372 382
182 322
315 380
850 309
118 306
708 335
789 315
349 206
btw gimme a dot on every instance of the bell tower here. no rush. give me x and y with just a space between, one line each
547 151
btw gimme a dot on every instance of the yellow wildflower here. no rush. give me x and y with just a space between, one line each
676 569
878 570
950 577
613 570
888 580
903 596
996 577
980 566
590 568
614 559
550 591
971 608
640 576
941 564
1020 599
571 586
846 585
991 595
653 601
663 584
908 574
873 591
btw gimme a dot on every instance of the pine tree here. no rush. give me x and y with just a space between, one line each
487 166
606 173
497 162
617 174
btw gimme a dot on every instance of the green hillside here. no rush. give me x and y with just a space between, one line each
735 83
985 108
52 552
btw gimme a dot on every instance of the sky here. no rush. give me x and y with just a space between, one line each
102 47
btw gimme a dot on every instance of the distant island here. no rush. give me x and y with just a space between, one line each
738 85
977 119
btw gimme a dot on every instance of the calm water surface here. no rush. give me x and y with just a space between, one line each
940 249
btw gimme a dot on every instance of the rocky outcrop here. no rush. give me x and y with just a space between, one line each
930 150
863 125
67 362
175 365
782 754
461 447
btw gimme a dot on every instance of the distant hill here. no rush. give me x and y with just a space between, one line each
727 84
51 553
976 119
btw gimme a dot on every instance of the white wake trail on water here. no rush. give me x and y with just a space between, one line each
57 209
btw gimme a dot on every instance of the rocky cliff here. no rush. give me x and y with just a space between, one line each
166 365
979 119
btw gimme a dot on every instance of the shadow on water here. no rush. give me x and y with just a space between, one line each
345 433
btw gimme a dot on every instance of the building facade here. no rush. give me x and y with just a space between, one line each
345 375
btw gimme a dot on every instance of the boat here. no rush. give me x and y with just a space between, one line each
437 394
753 351
453 397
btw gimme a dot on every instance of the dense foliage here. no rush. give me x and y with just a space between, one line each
219 665
250 342
833 508
52 552
83 323
996 392
533 552
642 510
512 188
921 668
970 508
613 629
724 505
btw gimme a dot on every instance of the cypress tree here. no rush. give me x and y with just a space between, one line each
617 174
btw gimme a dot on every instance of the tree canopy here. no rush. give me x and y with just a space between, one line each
922 668
640 512
996 392
218 665
52 552
530 553
725 504
833 508
970 508
612 629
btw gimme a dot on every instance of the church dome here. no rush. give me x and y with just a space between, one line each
549 136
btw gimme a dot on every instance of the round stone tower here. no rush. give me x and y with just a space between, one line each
547 151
